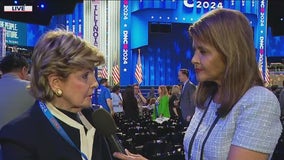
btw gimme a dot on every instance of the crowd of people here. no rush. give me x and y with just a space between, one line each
228 115
174 102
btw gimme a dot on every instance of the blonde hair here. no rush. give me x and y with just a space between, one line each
61 53
229 31
175 90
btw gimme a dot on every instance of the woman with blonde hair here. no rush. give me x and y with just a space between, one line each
162 104
59 125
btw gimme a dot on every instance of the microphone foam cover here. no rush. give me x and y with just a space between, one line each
103 122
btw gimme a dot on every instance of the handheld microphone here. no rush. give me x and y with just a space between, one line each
105 124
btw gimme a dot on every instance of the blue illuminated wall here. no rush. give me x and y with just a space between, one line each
23 34
275 45
71 22
163 55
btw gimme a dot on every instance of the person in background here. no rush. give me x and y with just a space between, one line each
276 90
116 99
162 104
104 98
187 96
174 103
14 88
152 104
60 124
129 103
141 100
151 94
281 99
236 117
169 88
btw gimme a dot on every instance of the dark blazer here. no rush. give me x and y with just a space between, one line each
130 107
32 137
186 100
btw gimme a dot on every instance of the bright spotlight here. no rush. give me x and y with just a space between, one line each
42 6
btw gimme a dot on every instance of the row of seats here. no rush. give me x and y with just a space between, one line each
163 141
151 139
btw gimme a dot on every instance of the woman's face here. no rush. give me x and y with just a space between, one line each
77 90
208 63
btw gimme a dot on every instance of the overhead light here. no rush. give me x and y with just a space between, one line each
42 6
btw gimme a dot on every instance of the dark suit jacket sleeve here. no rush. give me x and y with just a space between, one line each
14 148
22 153
190 92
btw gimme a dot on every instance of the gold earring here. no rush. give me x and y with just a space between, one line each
58 92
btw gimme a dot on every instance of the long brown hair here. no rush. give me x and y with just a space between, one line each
164 90
230 33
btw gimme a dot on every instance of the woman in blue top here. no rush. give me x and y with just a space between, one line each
236 117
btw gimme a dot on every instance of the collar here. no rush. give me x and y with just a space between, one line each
10 75
86 139
185 82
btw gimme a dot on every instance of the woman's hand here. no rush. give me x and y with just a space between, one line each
128 156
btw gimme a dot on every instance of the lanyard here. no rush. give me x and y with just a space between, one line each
58 127
196 130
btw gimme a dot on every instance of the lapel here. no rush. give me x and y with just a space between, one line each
183 87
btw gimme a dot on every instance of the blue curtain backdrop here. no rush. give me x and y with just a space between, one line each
165 54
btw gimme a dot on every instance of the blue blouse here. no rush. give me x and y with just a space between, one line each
253 123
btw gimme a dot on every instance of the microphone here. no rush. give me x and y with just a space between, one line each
105 124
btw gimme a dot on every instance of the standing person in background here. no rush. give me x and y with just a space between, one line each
281 99
116 99
151 94
104 98
169 88
174 103
129 103
141 100
187 96
14 93
162 104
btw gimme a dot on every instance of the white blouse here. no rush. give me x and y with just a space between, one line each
86 138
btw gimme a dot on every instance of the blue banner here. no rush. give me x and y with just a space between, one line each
126 70
262 33
15 32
